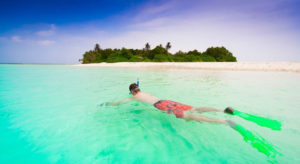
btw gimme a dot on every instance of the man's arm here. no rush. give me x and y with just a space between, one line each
119 102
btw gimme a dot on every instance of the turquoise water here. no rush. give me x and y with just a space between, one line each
50 114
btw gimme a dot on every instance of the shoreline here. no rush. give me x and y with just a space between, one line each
232 66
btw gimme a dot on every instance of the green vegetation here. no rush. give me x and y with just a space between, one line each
158 54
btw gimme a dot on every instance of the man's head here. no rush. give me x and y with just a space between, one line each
134 89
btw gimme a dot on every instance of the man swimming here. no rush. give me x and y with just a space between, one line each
178 109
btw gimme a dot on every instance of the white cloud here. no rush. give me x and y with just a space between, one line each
151 9
46 42
45 33
16 38
49 32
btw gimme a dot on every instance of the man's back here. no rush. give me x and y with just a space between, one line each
145 97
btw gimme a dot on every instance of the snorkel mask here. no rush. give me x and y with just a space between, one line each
137 83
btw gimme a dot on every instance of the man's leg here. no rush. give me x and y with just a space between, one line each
206 109
200 118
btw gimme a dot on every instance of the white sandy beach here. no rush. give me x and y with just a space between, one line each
240 66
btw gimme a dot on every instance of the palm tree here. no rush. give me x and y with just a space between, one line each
168 46
147 47
97 48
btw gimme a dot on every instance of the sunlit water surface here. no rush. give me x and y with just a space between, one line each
50 114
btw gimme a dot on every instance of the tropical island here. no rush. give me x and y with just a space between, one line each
158 54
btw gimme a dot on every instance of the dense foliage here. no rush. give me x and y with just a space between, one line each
158 54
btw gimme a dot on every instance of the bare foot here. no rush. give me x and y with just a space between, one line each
231 124
229 110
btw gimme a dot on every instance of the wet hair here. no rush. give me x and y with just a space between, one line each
133 87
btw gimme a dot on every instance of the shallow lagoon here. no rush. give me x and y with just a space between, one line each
50 114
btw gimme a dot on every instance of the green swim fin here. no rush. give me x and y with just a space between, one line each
265 122
257 142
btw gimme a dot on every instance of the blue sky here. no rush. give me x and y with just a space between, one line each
60 31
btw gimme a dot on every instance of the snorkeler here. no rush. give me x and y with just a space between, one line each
178 109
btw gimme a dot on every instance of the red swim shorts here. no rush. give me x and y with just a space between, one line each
172 106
